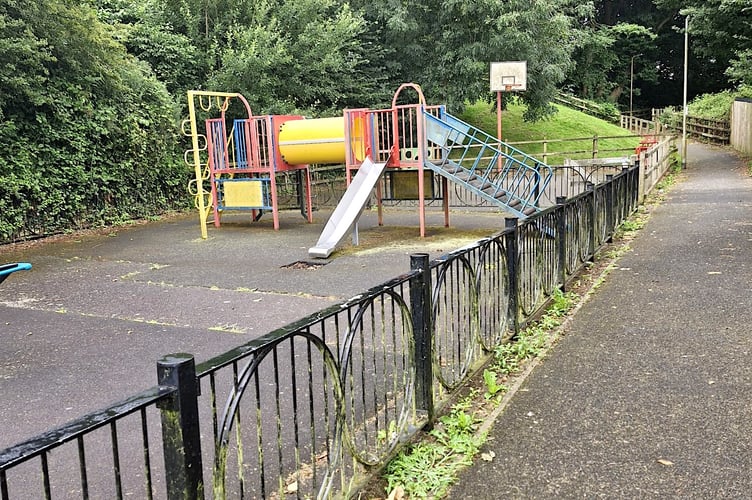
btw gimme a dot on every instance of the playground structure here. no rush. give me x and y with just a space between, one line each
415 148
8 269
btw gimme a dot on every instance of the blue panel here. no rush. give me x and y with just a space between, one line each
242 147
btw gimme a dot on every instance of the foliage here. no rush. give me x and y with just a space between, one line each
447 45
89 134
610 58
718 36
493 387
712 106
297 55
531 341
427 469
740 68
720 30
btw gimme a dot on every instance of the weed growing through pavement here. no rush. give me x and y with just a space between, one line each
533 340
428 468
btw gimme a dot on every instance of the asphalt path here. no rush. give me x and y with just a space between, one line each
85 327
649 394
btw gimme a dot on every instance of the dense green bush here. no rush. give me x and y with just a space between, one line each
717 106
89 136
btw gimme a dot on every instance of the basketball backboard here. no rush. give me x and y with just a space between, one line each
509 76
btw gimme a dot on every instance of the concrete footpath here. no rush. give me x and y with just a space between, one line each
649 393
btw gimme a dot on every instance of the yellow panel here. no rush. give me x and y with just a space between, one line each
405 185
320 140
243 194
357 138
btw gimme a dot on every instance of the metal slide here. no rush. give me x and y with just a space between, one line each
348 209
493 170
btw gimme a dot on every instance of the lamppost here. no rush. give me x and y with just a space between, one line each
684 119
631 82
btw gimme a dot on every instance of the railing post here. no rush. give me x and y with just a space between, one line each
590 187
181 437
512 247
422 314
640 179
595 146
625 197
610 207
561 233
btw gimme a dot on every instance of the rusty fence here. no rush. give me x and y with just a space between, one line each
311 409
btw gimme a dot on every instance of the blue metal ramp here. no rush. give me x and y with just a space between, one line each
493 170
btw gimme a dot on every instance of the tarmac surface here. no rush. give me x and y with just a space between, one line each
649 393
85 327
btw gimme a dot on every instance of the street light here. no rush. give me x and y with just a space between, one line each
684 119
631 82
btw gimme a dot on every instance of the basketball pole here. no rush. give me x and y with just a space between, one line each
498 123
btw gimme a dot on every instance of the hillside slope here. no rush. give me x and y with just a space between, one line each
563 127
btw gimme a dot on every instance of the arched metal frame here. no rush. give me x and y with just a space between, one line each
455 319
368 426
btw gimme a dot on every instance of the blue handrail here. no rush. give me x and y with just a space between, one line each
497 171
8 269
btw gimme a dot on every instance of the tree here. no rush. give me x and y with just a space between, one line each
297 55
740 69
721 33
89 134
147 31
447 45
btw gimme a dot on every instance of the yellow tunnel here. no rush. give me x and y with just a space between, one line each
320 140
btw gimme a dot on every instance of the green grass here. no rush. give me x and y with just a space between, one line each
565 124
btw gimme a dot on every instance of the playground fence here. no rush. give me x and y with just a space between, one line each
311 409
707 130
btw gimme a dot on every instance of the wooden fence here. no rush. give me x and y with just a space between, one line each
580 147
642 127
654 163
704 129
741 126
587 107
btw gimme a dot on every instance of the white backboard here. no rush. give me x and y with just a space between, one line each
510 76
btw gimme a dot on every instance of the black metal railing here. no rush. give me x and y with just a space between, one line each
311 409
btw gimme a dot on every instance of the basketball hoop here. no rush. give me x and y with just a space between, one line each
510 76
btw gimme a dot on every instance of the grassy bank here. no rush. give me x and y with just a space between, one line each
566 124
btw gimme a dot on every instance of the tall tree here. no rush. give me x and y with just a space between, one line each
447 45
619 51
297 55
721 33
89 134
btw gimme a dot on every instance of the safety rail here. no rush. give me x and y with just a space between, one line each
105 454
498 172
311 409
394 134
